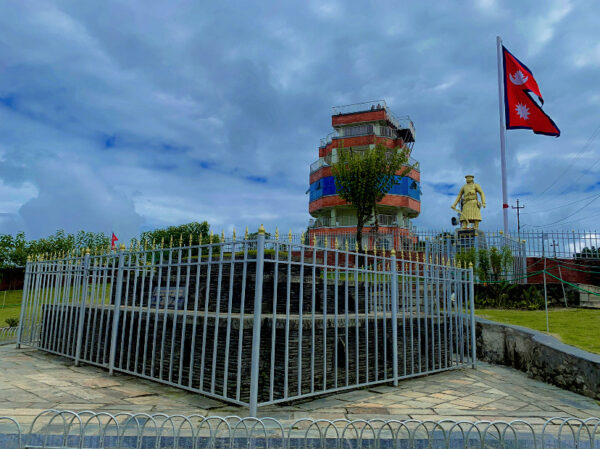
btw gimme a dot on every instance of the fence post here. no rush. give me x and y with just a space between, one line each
84 289
116 311
394 318
254 374
24 302
472 301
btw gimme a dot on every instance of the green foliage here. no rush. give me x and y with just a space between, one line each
489 265
12 322
14 250
181 232
504 295
363 178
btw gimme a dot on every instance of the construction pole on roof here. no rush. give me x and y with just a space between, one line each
502 133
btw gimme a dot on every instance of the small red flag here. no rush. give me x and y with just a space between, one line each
522 112
113 240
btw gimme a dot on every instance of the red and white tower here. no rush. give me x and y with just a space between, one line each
362 126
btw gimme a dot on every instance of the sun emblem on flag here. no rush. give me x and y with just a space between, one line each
522 111
518 78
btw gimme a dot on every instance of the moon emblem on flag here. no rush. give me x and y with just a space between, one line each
522 111
518 78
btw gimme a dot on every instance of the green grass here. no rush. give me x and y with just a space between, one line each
576 327
11 307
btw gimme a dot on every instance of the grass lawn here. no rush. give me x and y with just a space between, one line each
576 327
11 306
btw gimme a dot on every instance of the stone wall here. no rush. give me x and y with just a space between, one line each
540 356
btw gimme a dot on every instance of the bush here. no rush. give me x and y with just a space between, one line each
12 322
503 295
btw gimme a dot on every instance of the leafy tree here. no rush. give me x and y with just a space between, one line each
363 178
183 232
14 250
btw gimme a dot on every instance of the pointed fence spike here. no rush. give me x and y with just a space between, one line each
246 234
276 233
233 234
261 229
290 235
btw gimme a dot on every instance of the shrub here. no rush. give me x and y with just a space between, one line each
12 322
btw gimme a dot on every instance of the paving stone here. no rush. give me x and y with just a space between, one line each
33 381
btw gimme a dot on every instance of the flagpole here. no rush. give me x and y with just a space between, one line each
502 133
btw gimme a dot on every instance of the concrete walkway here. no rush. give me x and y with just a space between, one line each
32 381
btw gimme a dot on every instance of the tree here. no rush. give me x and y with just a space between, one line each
14 250
363 178
183 232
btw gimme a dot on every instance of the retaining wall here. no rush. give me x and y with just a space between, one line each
540 356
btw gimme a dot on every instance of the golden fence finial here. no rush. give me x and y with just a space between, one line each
246 234
180 240
199 238
356 246
28 258
501 232
326 242
87 251
261 229
374 249
122 247
223 235
347 245
233 234
302 238
210 237
393 252
162 242
314 239
190 239
337 243
276 233
402 254
290 235
470 264
171 241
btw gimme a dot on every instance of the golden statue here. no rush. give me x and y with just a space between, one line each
469 203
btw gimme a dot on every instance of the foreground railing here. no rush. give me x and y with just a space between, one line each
253 322
67 429
8 334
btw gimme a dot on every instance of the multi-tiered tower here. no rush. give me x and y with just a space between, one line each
362 126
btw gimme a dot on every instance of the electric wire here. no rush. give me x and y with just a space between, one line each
577 156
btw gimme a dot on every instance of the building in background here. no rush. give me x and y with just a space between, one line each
362 126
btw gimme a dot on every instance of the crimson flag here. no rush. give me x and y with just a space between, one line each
522 112
113 240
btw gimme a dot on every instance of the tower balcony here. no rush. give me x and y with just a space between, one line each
331 159
372 111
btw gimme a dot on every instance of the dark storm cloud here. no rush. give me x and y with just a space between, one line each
137 114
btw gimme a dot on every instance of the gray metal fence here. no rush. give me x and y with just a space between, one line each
67 429
8 335
252 322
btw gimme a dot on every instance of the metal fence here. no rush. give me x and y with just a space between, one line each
66 429
252 322
8 335
443 246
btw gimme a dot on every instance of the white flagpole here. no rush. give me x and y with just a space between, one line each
502 133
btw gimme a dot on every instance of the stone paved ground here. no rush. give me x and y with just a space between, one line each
32 381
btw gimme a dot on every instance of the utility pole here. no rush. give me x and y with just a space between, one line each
518 218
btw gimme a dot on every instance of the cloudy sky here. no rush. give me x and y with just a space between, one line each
128 115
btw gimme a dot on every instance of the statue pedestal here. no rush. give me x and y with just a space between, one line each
470 238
